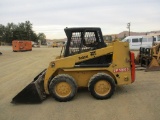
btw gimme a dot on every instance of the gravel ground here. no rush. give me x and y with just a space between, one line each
138 101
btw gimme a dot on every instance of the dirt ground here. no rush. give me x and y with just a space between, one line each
138 101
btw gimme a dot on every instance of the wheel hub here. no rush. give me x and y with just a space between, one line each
63 89
102 87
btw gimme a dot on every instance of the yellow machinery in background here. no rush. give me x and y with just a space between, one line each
55 44
149 58
86 62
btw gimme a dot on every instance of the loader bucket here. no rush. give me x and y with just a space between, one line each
32 93
153 66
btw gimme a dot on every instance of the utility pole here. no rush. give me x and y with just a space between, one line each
128 26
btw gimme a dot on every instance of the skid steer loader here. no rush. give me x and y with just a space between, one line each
149 58
86 62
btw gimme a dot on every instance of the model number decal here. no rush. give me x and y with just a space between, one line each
83 57
93 53
121 70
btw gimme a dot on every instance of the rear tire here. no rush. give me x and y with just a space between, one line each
101 86
63 87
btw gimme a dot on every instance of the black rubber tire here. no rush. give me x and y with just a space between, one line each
63 78
98 77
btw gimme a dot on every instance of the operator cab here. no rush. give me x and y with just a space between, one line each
81 40
86 39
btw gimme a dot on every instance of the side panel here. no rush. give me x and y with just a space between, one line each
70 62
28 45
15 45
21 45
121 66
135 43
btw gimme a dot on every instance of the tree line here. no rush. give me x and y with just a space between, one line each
20 31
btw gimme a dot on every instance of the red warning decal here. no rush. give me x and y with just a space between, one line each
121 70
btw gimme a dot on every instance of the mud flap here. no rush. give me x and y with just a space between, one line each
32 93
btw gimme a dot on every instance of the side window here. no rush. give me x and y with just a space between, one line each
90 41
79 45
89 38
144 40
76 39
154 39
134 40
75 43
150 40
140 39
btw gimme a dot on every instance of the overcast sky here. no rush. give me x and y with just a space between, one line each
52 16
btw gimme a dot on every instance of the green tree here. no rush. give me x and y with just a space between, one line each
22 31
42 38
2 32
34 37
7 32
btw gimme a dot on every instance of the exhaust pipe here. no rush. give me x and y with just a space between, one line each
32 93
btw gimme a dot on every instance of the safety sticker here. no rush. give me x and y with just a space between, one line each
121 70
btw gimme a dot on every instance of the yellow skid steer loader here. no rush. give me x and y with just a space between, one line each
86 62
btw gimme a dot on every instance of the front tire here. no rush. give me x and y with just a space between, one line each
63 87
101 86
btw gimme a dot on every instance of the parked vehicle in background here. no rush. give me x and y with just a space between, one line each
55 44
155 37
147 42
134 41
19 45
35 44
